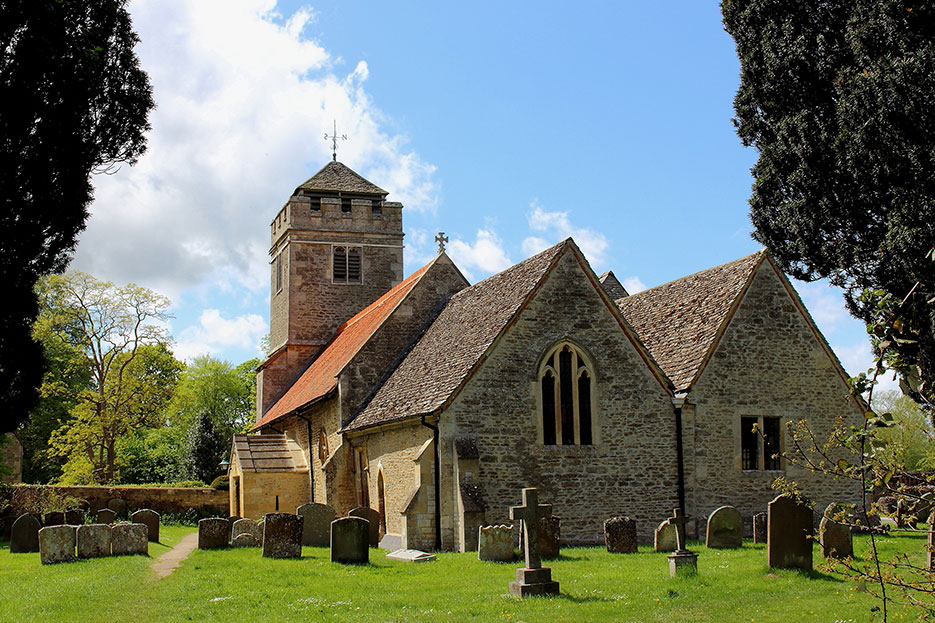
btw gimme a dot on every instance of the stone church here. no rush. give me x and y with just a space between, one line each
434 401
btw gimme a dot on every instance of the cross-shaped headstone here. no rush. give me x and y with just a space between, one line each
441 239
530 513
678 520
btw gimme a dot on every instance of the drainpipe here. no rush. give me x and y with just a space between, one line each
311 468
677 402
438 485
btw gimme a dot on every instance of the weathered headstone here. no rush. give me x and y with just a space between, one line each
759 527
682 560
93 540
55 518
410 555
247 526
283 536
620 535
788 544
350 537
725 529
213 533
371 516
106 515
664 537
24 536
550 537
261 526
245 539
316 524
150 519
74 517
129 538
56 544
118 506
534 579
495 543
835 537
230 523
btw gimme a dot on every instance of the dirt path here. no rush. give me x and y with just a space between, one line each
169 562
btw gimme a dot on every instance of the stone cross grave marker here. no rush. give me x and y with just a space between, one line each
534 579
683 560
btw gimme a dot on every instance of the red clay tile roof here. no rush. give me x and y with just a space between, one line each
679 321
454 343
321 376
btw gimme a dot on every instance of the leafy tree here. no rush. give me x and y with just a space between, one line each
132 373
204 450
212 387
837 98
906 444
151 455
73 101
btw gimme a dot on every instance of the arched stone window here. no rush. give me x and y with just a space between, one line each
565 385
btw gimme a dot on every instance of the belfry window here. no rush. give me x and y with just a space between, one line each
565 386
278 269
346 264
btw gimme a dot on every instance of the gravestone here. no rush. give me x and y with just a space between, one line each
56 544
74 517
550 537
620 535
118 506
316 524
247 526
495 543
261 526
374 518
129 538
350 537
682 561
283 536
245 539
54 518
759 527
212 533
106 515
411 555
150 519
835 537
230 523
24 536
93 540
725 529
664 537
534 579
788 544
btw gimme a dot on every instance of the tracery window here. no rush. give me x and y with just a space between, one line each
346 264
565 386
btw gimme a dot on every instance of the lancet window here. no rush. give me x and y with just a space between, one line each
565 383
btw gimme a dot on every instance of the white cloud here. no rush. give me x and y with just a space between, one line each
825 303
214 333
857 358
485 254
242 103
633 285
556 226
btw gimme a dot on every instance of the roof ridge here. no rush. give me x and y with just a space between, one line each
514 268
384 298
337 176
695 274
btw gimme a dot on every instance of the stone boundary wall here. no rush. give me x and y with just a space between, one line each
159 499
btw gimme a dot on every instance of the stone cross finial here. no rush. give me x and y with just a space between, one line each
334 141
678 520
530 513
441 239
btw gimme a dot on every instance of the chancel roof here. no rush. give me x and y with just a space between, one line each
269 453
321 376
679 322
455 343
337 177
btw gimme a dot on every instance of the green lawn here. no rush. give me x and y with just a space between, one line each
240 585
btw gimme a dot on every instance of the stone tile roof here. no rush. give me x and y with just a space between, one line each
455 343
612 286
320 377
336 177
680 321
269 453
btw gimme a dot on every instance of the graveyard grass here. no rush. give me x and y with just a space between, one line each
240 585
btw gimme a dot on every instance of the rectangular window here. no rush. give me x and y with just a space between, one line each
278 269
749 443
346 264
315 205
346 206
772 432
765 442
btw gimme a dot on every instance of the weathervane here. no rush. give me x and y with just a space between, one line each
334 141
441 239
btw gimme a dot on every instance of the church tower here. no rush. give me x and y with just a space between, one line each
336 246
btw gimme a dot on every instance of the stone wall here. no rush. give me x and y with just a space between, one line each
272 492
174 500
768 363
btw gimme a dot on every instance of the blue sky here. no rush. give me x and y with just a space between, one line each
509 126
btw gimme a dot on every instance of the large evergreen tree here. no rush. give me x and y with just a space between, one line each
73 101
838 97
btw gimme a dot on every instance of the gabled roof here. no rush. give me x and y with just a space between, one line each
336 177
612 286
320 378
433 371
680 321
269 453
